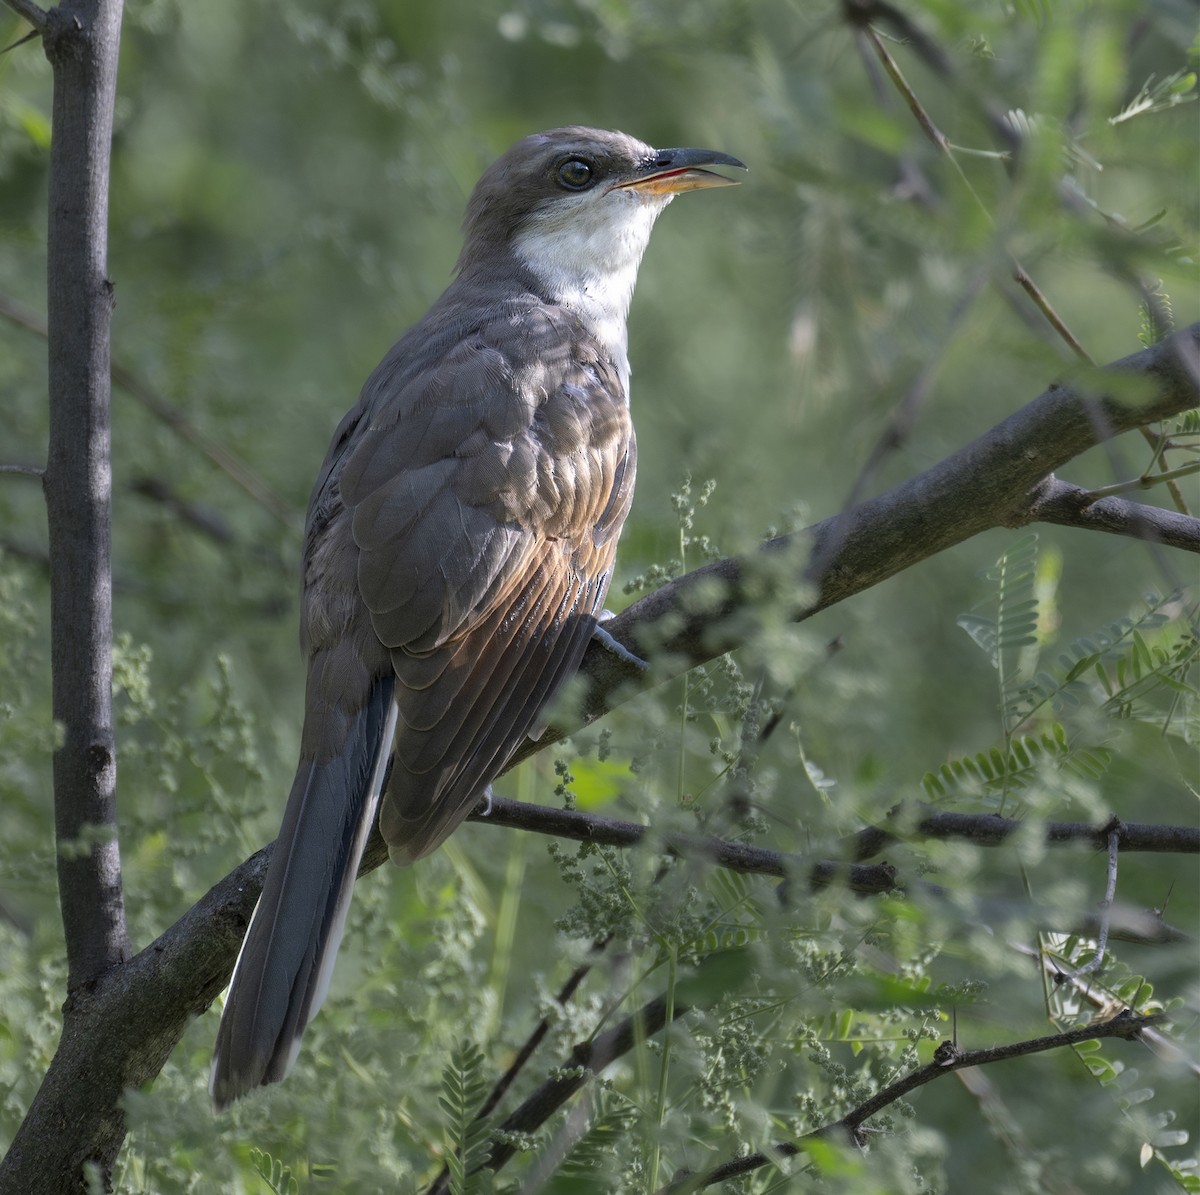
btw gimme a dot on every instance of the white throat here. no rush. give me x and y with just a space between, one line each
587 256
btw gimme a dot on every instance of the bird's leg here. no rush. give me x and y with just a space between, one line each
610 645
485 803
618 649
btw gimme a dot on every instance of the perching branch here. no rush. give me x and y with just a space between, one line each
947 1059
996 481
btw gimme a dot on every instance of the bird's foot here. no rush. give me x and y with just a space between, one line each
485 803
618 649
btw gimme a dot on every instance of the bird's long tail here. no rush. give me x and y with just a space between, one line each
283 969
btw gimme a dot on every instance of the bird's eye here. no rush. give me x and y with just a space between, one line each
575 174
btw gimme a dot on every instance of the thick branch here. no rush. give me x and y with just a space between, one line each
1068 505
119 1032
81 43
59 1135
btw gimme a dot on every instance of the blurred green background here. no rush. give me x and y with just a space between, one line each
287 187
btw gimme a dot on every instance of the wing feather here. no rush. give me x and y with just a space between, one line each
484 492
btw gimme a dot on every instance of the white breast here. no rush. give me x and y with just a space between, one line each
586 251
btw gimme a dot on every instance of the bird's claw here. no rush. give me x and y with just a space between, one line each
618 649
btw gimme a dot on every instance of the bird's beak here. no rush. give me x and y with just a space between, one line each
671 171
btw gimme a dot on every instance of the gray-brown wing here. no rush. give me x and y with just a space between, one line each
486 495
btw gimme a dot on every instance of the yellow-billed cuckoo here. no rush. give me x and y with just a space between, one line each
459 544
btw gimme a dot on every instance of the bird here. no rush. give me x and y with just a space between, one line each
458 547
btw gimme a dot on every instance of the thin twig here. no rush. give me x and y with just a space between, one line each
927 49
142 392
28 11
947 1059
441 1184
983 829
1146 481
1043 304
943 145
32 35
735 856
1126 1025
196 515
910 97
988 829
24 470
587 1060
1110 892
1103 1002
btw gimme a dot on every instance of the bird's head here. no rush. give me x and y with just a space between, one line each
576 206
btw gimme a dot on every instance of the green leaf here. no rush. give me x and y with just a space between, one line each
464 1089
715 976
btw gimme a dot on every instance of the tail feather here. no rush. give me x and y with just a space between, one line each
286 961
